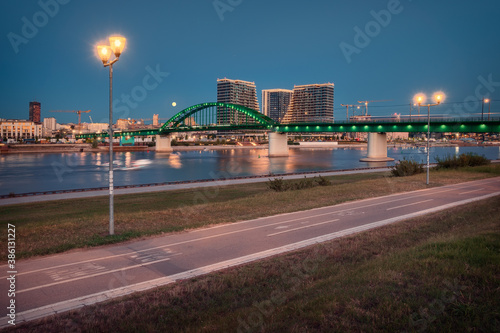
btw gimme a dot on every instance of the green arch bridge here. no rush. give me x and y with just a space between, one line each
222 116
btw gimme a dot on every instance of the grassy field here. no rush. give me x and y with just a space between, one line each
436 273
58 226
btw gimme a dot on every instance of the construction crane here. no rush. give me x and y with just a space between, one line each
366 103
78 112
347 109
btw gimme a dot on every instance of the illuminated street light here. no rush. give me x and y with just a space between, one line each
418 99
116 47
438 97
485 100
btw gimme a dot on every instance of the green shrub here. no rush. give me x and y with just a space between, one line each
322 181
406 168
303 183
277 184
462 160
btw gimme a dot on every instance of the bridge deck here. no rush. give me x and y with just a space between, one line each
455 126
207 117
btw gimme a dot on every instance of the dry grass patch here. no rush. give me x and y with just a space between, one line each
57 226
438 273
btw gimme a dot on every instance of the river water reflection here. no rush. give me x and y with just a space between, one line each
21 173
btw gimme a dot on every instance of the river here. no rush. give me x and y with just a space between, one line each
36 172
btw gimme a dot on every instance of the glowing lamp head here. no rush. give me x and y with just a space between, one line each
104 52
486 100
174 104
439 97
117 44
419 98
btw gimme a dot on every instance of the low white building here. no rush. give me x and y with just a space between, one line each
20 130
49 126
97 127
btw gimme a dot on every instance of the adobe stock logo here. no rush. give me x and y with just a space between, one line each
29 29
225 6
472 103
372 29
150 81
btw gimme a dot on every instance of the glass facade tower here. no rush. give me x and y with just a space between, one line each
275 103
235 92
312 103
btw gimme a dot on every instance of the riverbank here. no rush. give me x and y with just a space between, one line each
78 223
323 145
433 270
66 148
30 197
86 148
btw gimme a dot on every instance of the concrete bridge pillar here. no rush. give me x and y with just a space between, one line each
377 148
278 144
163 144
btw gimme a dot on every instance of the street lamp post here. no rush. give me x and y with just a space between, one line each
420 98
482 109
117 44
489 108
487 100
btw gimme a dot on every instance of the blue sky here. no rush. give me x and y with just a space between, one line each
405 47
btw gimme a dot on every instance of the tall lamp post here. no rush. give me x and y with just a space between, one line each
420 98
489 107
116 46
485 100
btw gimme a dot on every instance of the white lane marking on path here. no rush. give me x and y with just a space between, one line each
448 188
197 239
71 273
306 226
90 276
479 189
79 302
410 204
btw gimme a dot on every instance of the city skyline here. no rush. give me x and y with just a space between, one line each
371 51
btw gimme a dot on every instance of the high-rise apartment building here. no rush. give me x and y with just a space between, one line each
275 103
311 103
35 112
235 92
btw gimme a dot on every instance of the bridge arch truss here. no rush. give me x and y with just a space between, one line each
217 116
